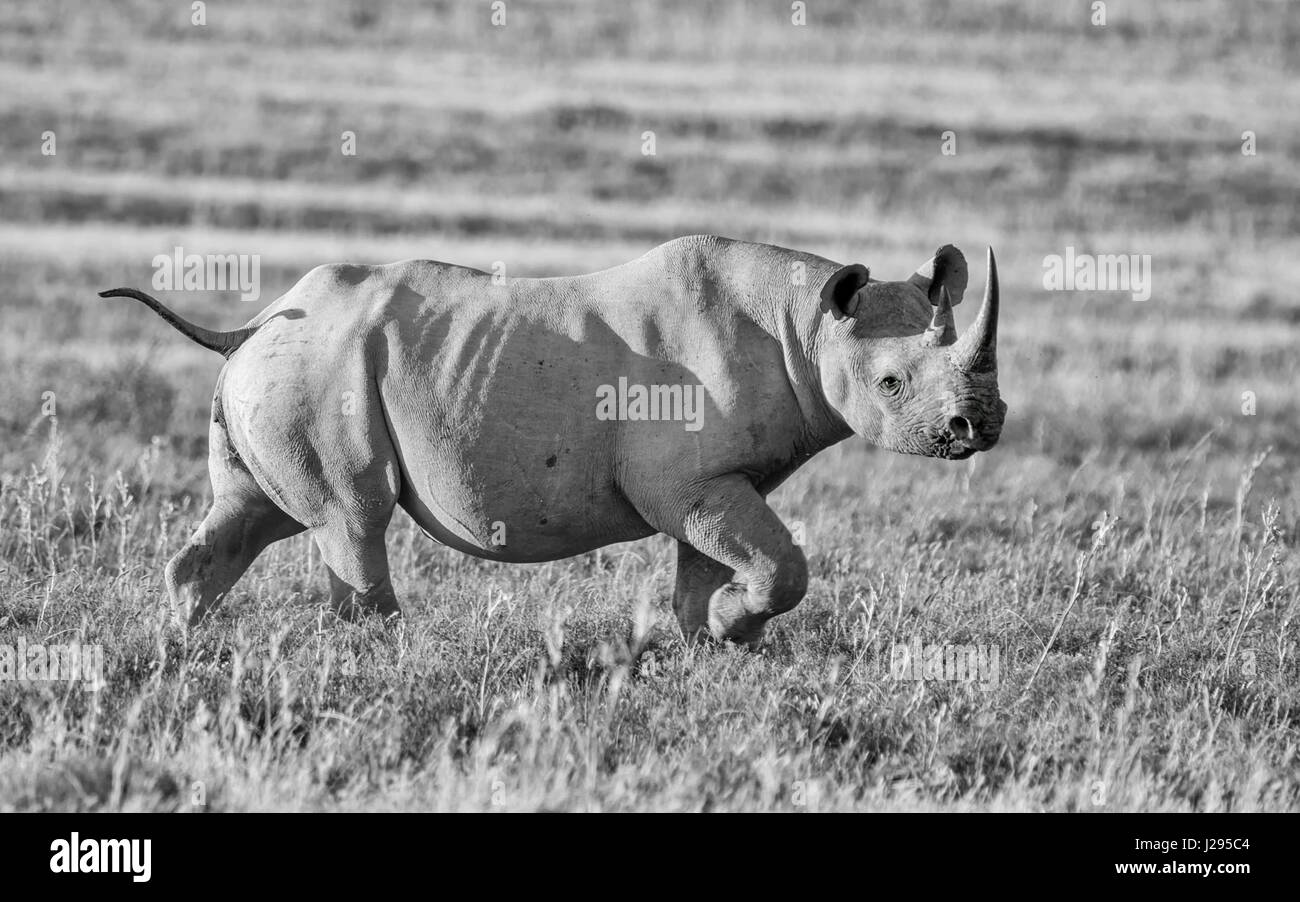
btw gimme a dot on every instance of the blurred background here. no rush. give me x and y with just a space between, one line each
523 143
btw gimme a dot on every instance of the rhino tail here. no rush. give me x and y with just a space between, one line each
224 343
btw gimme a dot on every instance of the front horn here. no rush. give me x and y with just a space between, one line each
977 350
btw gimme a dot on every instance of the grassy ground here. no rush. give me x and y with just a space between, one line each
1130 522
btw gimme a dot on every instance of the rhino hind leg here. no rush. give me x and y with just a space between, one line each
354 500
728 521
242 522
338 474
357 561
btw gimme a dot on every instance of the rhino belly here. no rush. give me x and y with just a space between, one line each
523 490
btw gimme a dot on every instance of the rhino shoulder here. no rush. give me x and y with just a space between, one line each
698 252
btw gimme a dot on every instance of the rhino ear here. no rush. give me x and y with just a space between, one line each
840 293
946 269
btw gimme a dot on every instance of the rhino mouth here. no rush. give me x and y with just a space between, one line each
951 447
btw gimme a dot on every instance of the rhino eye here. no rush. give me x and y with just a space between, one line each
890 384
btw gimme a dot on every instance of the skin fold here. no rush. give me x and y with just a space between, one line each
473 403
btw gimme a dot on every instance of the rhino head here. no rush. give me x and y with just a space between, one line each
894 369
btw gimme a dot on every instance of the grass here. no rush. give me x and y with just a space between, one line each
1129 547
1169 685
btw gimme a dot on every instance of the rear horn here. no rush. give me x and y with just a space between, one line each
943 329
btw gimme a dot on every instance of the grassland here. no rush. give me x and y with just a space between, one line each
1129 546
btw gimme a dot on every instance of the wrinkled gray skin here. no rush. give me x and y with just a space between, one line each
473 406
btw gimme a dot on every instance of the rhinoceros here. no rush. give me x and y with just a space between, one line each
532 419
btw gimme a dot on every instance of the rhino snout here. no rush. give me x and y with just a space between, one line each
977 432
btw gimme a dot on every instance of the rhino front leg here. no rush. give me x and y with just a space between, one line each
727 520
698 577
